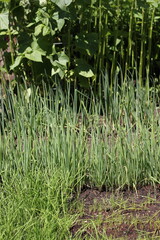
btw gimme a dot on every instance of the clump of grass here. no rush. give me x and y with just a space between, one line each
34 206
91 145
50 150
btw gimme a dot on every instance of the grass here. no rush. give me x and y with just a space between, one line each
51 149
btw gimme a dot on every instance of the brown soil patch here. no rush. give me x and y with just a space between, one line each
120 215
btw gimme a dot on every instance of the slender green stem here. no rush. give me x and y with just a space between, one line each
116 27
129 50
141 61
150 33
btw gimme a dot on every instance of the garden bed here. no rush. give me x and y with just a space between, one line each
126 214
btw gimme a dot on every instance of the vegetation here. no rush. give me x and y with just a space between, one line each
49 154
79 108
55 38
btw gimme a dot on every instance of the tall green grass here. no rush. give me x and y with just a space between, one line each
50 149
47 132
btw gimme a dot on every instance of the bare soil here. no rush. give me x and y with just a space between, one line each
128 214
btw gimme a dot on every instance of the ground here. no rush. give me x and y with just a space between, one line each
128 214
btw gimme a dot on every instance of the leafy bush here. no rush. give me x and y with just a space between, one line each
76 40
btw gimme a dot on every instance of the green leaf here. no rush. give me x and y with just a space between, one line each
46 30
3 33
118 41
138 15
4 21
63 59
60 21
31 54
54 71
38 29
55 16
35 56
30 24
60 24
42 2
28 50
87 73
84 69
35 47
59 66
61 73
62 4
58 71
17 62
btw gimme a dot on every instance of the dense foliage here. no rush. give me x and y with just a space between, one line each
102 132
77 40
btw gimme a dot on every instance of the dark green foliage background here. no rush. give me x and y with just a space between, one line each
77 40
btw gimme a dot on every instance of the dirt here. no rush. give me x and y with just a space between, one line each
128 214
